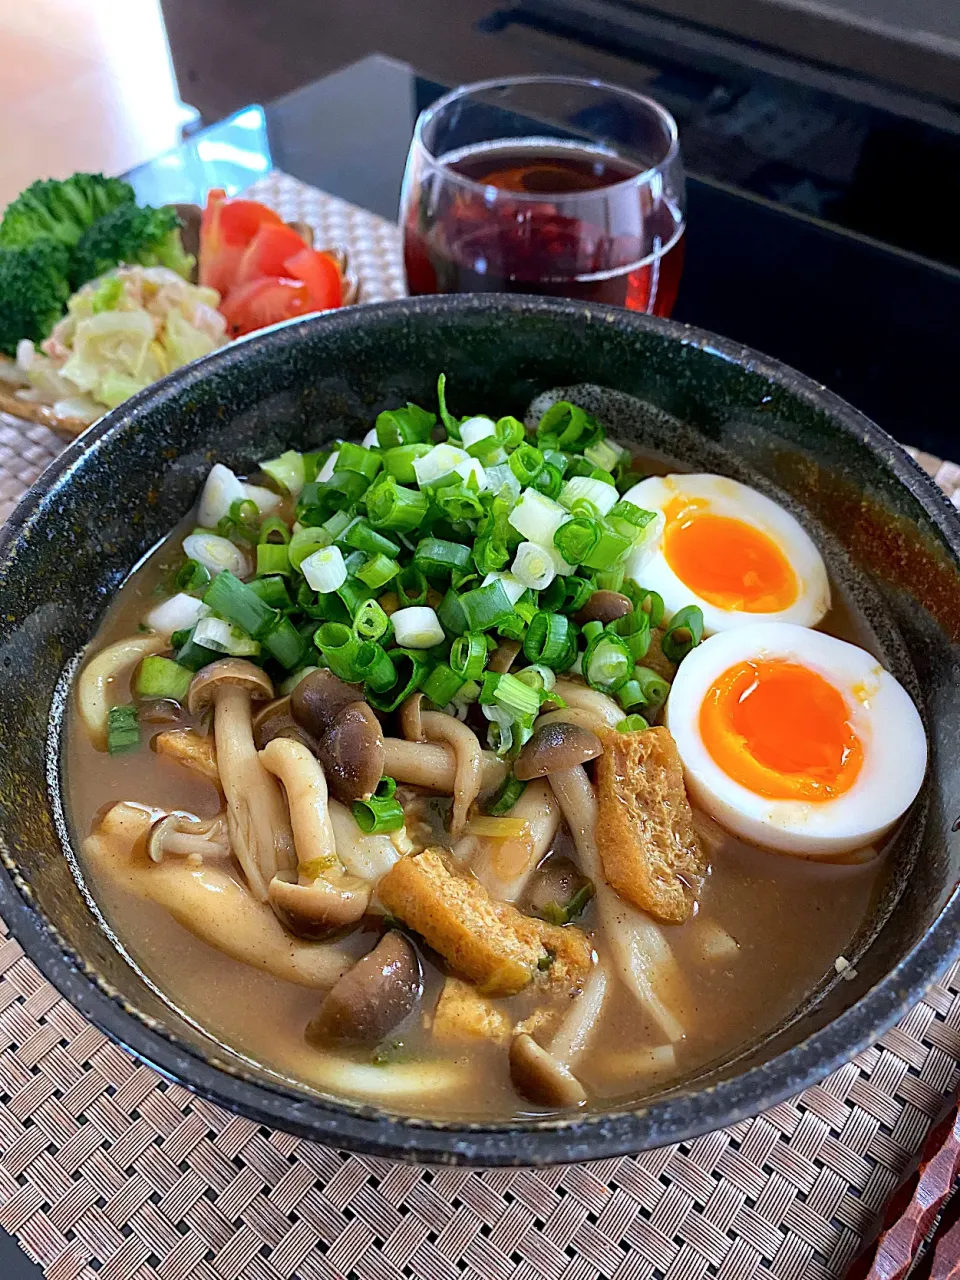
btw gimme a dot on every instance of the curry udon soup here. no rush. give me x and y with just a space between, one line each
487 776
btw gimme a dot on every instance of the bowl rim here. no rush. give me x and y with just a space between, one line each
661 1120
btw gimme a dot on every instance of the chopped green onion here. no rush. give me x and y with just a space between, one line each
354 457
592 630
610 579
526 463
373 665
272 558
224 637
485 606
436 557
325 570
603 454
370 622
360 535
506 796
417 627
285 643
634 629
231 599
684 633
514 697
304 542
650 603
287 470
653 687
192 655
412 667
274 530
123 729
411 586
598 493
577 538
490 555
442 684
378 571
395 507
610 549
607 663
354 593
533 566
579 591
451 614
382 812
632 724
468 655
631 695
273 591
192 576
339 647
398 462
537 517
549 481
510 432
411 425
631 514
162 678
458 503
547 638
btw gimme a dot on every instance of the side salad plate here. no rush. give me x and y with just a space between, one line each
100 296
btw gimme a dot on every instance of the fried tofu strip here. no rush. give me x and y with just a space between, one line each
463 1015
487 942
191 749
649 847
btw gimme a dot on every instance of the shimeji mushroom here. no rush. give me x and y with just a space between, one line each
260 833
373 998
419 725
97 677
538 1076
324 899
184 835
554 748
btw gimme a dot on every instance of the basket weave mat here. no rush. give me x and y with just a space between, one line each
109 1171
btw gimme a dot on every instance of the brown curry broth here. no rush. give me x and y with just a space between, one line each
791 919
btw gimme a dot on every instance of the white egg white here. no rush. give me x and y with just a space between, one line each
881 713
726 497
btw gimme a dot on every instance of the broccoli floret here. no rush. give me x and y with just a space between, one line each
61 210
34 290
131 234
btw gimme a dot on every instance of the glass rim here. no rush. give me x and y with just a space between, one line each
498 82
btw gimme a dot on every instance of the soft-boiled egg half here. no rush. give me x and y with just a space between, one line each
730 550
795 740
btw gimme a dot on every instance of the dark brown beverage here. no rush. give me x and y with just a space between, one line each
623 245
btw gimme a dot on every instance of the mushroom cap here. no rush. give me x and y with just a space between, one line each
554 748
604 606
540 1077
318 699
234 672
276 720
351 752
321 908
373 998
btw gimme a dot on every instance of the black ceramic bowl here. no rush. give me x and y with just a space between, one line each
891 539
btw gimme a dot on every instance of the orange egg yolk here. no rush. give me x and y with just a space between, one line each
727 562
782 731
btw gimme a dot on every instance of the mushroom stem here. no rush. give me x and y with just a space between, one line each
581 1020
410 721
257 819
639 950
184 835
468 778
306 788
430 765
606 713
93 686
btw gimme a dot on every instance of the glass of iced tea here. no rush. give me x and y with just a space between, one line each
546 184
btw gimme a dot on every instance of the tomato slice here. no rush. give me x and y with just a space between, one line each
265 301
267 252
320 274
226 228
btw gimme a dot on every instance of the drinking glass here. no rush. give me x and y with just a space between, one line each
546 184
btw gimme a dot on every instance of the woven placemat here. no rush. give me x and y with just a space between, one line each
109 1171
